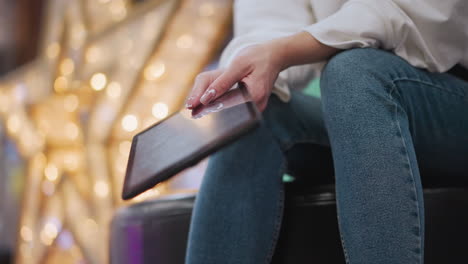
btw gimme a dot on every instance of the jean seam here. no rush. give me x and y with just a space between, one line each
345 250
461 94
392 90
278 222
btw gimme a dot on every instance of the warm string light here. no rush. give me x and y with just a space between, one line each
48 188
113 90
160 110
108 65
51 172
71 161
124 147
98 81
206 10
49 233
13 123
53 50
72 131
185 41
130 123
101 188
61 84
70 103
67 66
4 100
93 54
155 71
118 9
26 233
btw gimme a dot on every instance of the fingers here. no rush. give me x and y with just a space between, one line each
202 81
223 83
258 91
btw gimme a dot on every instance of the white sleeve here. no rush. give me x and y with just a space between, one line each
430 34
263 20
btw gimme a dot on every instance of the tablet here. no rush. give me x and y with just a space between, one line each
185 138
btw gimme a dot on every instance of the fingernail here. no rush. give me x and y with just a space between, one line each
187 104
197 116
208 96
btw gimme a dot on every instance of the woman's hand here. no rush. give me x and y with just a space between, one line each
257 67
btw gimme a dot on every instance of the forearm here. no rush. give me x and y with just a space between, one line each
298 49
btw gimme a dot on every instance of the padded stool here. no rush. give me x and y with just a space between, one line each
156 231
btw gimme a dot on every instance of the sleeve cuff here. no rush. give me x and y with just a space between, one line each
356 25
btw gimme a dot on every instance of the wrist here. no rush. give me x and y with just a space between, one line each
279 48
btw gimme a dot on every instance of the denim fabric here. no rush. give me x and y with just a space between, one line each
384 120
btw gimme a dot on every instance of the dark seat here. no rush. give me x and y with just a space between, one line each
5 256
156 231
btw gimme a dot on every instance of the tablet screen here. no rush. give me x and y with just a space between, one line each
185 138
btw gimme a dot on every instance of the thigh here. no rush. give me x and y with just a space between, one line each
437 109
299 128
298 121
434 106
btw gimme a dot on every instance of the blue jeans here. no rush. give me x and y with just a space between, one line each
385 122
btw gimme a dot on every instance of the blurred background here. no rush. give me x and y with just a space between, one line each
79 78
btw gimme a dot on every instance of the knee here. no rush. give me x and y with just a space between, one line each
353 80
347 72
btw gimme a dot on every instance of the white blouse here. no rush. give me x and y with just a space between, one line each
430 34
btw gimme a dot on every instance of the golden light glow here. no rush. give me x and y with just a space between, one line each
121 163
72 130
129 123
70 103
53 50
61 84
113 90
26 233
53 109
118 9
149 121
90 224
25 249
48 233
4 100
98 81
67 66
48 188
185 41
127 46
71 161
160 110
13 124
206 9
124 147
51 172
50 230
45 239
148 194
101 189
93 54
155 71
39 160
78 35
